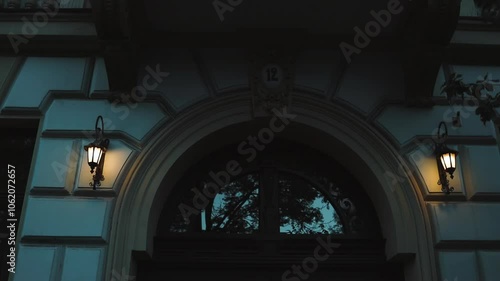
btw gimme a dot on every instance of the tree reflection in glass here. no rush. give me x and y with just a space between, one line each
303 209
236 208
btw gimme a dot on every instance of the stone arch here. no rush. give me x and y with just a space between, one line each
338 132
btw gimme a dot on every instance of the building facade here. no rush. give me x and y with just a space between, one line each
344 99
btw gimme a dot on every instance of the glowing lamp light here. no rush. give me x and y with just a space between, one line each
94 155
96 152
446 159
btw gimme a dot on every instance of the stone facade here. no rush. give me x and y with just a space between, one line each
69 232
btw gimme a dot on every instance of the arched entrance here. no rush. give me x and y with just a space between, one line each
333 130
286 212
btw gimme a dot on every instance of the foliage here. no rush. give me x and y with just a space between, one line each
235 209
238 211
302 208
455 87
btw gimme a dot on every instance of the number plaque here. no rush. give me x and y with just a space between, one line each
271 76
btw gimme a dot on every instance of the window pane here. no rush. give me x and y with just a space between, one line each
304 210
236 208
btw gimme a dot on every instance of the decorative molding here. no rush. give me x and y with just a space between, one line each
389 137
13 4
468 245
412 234
59 94
55 45
49 4
73 4
48 191
233 90
411 144
21 111
439 196
97 95
271 75
309 90
84 134
88 192
486 196
30 4
63 240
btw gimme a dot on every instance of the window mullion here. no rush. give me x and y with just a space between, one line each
269 201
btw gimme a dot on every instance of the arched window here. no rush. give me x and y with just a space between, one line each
303 192
237 216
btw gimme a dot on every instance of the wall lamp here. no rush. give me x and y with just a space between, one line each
96 152
445 158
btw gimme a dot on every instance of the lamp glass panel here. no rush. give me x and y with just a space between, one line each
94 154
448 160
